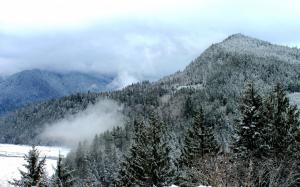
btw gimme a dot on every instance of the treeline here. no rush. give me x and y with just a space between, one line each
215 79
213 85
26 124
264 151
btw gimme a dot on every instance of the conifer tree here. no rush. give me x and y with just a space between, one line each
83 166
110 160
35 174
63 176
188 107
133 167
250 129
161 172
282 122
96 159
198 141
148 162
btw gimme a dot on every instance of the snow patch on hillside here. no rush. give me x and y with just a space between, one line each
295 98
193 86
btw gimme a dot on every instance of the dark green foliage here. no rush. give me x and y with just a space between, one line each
148 162
160 168
250 128
188 108
133 167
35 174
269 127
282 123
198 141
63 177
273 144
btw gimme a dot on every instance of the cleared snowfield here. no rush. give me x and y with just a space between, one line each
295 98
12 159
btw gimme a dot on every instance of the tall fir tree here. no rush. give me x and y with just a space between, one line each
282 123
63 177
148 162
83 166
250 129
35 174
110 160
188 107
161 171
133 167
96 160
198 141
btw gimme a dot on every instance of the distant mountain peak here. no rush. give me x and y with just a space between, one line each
232 51
246 45
237 36
241 39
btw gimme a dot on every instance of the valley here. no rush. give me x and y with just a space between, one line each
192 119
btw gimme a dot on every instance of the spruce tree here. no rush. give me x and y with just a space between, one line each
35 174
83 166
281 132
96 159
198 141
63 177
110 160
250 128
161 172
133 167
282 122
148 162
188 107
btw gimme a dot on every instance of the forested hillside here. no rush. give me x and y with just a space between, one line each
214 80
164 116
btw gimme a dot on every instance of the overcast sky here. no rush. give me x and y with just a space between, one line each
137 39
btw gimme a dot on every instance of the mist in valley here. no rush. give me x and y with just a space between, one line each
95 119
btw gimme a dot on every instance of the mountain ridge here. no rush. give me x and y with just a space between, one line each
213 81
37 85
236 45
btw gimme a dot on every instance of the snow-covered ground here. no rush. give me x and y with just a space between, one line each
12 159
295 98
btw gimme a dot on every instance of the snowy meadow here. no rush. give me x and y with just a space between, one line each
12 160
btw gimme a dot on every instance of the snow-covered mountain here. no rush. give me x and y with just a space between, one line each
240 58
215 80
38 85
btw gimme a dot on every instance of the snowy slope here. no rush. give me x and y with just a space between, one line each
12 159
295 98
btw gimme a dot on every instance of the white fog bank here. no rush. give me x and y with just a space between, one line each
98 118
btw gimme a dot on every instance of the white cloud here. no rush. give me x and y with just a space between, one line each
96 119
46 14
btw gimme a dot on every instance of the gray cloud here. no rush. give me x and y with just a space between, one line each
139 51
151 45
